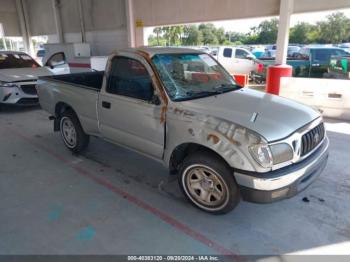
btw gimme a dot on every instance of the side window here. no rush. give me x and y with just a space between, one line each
304 53
323 55
242 54
339 52
128 77
56 60
228 52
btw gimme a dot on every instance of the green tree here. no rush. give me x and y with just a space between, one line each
335 29
173 34
236 37
192 35
303 33
220 35
251 38
154 41
2 44
266 31
208 32
157 31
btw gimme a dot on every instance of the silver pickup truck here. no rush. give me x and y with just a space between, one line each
180 107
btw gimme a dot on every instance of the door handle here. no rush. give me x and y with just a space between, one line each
308 93
334 95
106 104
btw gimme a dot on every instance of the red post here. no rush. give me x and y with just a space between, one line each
273 77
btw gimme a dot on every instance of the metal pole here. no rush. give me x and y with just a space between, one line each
82 24
56 4
4 42
286 10
11 45
130 22
23 21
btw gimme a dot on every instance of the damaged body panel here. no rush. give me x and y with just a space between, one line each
228 139
180 107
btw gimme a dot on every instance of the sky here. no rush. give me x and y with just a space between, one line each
239 26
244 25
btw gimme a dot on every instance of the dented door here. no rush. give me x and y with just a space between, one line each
127 114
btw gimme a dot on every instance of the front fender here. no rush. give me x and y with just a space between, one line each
228 140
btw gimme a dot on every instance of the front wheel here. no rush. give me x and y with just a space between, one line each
208 183
72 132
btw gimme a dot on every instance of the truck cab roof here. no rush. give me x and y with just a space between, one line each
151 51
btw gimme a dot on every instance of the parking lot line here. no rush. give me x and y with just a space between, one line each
132 199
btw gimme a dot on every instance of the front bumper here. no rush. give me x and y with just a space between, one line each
16 96
285 182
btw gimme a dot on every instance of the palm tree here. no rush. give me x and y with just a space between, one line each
157 31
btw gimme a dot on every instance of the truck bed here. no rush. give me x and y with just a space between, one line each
79 91
91 80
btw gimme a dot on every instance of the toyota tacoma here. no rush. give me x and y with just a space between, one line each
180 107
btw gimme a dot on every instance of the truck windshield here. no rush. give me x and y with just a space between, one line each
191 76
20 60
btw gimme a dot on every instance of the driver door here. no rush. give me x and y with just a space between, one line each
244 64
126 112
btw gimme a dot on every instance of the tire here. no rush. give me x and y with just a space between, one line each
208 183
72 133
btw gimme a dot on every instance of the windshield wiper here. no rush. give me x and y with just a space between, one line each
220 89
203 93
223 88
226 87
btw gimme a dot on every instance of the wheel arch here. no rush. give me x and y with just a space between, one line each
60 108
183 150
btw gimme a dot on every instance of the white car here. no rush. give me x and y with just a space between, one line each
18 76
236 60
345 46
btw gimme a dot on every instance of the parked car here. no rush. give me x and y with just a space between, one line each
310 62
268 54
18 76
339 68
180 107
345 47
236 60
258 51
293 51
270 47
40 54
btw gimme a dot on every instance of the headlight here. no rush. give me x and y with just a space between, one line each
281 153
262 154
4 84
267 156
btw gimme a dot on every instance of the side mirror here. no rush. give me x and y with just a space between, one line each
250 57
53 64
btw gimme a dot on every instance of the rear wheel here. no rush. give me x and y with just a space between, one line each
72 133
208 183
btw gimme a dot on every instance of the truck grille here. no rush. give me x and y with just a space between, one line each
29 89
312 139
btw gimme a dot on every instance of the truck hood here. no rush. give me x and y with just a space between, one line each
23 74
277 117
